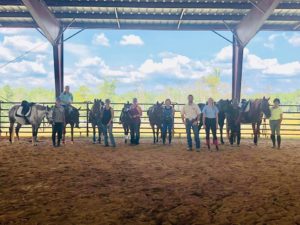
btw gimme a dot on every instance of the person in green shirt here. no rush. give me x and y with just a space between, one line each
275 122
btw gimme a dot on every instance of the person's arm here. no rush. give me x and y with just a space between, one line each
71 98
217 117
140 111
112 115
281 117
182 115
64 117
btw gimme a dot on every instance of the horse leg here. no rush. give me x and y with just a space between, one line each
94 134
258 130
17 131
11 132
157 133
221 134
72 133
254 133
153 131
99 134
34 135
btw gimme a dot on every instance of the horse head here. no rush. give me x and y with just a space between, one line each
265 106
224 105
49 114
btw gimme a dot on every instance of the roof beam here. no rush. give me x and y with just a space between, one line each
134 4
117 18
44 18
143 16
142 26
254 20
180 19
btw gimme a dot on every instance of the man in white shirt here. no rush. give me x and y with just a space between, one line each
190 115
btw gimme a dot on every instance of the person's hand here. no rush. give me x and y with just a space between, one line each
204 126
195 123
184 122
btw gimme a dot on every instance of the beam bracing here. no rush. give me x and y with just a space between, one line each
244 32
53 31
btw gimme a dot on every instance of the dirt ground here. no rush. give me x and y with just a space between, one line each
149 184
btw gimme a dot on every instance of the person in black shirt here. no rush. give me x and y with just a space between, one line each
107 123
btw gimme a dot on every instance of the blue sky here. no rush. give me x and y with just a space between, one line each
150 59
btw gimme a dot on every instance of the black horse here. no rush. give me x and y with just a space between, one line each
233 124
254 115
72 118
155 114
95 116
125 120
223 106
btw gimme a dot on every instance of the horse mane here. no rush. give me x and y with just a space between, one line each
39 107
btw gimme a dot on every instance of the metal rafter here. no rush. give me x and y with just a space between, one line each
180 19
254 20
44 18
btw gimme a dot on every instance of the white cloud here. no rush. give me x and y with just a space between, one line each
6 54
24 67
79 50
11 30
131 40
25 43
225 54
101 39
294 40
272 66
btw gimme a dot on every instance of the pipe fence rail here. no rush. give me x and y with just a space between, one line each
290 125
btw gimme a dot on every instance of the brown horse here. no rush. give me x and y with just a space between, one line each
254 115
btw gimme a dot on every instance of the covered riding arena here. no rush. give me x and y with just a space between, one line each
85 183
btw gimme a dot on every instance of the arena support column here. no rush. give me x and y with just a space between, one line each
237 69
58 59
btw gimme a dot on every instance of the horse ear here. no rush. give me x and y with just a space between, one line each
79 108
268 99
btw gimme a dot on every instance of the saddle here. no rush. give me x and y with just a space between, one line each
24 110
245 106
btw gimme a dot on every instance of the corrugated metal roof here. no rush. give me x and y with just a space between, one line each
154 14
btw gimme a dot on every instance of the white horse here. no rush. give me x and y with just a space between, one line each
35 118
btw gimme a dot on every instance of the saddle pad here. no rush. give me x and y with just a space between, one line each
247 109
19 112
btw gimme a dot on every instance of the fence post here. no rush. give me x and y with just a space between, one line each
87 119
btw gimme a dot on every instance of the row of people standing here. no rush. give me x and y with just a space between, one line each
190 114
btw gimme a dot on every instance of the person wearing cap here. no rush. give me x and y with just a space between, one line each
190 115
58 124
135 113
275 122
107 124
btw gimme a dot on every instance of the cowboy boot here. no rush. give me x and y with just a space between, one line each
273 140
278 141
208 143
170 139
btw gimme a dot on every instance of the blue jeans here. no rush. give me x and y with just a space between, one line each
135 132
188 126
107 131
167 126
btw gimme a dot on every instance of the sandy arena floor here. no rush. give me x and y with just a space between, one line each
149 184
